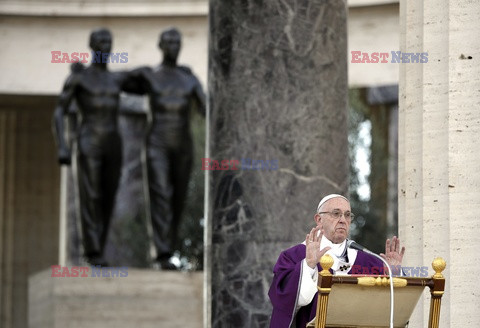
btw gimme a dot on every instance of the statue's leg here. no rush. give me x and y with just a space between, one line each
161 192
181 168
91 213
111 172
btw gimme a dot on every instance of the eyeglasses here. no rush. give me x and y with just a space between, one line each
338 214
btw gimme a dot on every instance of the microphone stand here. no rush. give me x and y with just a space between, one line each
391 283
356 246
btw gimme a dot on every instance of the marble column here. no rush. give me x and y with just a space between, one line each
439 127
278 94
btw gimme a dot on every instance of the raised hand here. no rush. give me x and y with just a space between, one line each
393 255
314 253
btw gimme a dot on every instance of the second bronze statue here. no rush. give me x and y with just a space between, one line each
173 92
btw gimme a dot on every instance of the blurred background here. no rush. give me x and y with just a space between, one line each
30 84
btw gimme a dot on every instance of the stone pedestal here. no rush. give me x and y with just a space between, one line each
278 93
143 298
439 129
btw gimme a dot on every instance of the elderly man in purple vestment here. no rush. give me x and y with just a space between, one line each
294 284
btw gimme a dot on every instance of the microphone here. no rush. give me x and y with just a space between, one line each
358 247
352 244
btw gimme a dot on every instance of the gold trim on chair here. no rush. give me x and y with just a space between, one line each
381 281
436 292
408 286
324 288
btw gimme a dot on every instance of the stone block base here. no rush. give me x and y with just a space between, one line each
144 298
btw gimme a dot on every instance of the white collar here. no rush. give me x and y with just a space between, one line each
343 260
335 249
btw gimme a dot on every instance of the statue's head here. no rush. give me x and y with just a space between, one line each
101 40
170 43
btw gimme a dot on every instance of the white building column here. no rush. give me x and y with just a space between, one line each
439 168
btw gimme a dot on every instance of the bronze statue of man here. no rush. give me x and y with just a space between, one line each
96 91
173 92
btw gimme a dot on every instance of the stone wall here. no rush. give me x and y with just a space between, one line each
29 200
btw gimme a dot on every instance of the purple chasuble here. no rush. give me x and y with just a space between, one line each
285 287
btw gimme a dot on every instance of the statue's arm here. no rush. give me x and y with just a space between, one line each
66 97
199 97
136 80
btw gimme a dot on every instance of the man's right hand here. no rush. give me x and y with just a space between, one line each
314 253
64 157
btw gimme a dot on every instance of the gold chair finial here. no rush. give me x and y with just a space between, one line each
438 265
326 262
